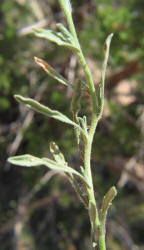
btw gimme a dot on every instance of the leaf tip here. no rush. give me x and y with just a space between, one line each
36 59
46 67
111 34
114 190
10 160
19 98
107 43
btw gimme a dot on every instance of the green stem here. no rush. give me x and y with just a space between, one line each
93 211
91 89
94 216
96 224
102 245
83 63
107 201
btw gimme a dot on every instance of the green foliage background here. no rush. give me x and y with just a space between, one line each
54 218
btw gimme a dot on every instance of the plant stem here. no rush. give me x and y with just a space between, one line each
102 244
93 211
96 218
83 62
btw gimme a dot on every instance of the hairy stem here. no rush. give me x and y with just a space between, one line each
102 245
93 211
97 223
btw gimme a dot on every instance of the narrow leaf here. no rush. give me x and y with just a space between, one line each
50 35
54 36
44 110
101 85
52 72
25 160
58 156
66 34
83 122
57 166
107 200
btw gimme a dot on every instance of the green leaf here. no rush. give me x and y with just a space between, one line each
67 36
107 200
106 55
83 122
50 35
58 156
25 160
84 173
52 72
57 166
44 110
100 97
54 36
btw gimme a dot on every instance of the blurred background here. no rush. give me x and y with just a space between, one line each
38 209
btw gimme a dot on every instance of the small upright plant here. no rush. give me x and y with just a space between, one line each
84 137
